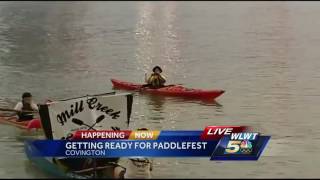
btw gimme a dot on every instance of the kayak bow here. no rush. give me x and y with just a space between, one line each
172 90
30 124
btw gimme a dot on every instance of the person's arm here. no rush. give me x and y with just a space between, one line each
18 107
163 79
149 80
146 77
35 107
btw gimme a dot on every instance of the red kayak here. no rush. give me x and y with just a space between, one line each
171 90
30 124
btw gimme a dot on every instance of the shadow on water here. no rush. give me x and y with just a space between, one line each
206 102
156 106
156 101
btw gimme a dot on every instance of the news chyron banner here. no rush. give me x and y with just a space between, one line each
215 142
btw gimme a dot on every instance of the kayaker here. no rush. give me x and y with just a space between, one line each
156 80
26 104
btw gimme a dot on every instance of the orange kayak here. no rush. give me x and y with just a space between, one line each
172 90
30 124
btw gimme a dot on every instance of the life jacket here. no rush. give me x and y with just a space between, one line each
25 115
156 81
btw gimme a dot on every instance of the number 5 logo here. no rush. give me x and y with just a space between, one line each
233 147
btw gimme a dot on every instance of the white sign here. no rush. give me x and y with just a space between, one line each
109 112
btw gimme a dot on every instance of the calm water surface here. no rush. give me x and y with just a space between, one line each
264 54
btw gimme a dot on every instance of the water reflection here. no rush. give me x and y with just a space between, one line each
143 36
157 102
158 40
205 102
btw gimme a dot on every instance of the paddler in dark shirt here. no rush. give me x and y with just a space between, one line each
156 80
26 105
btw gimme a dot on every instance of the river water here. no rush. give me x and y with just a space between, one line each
265 55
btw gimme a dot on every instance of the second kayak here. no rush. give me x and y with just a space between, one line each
30 124
171 90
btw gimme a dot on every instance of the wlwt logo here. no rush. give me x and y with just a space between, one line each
235 142
216 132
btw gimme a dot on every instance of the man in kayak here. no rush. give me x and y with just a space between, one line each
156 80
26 105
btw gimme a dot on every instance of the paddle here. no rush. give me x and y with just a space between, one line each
173 85
148 85
98 120
13 110
6 115
80 122
170 85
